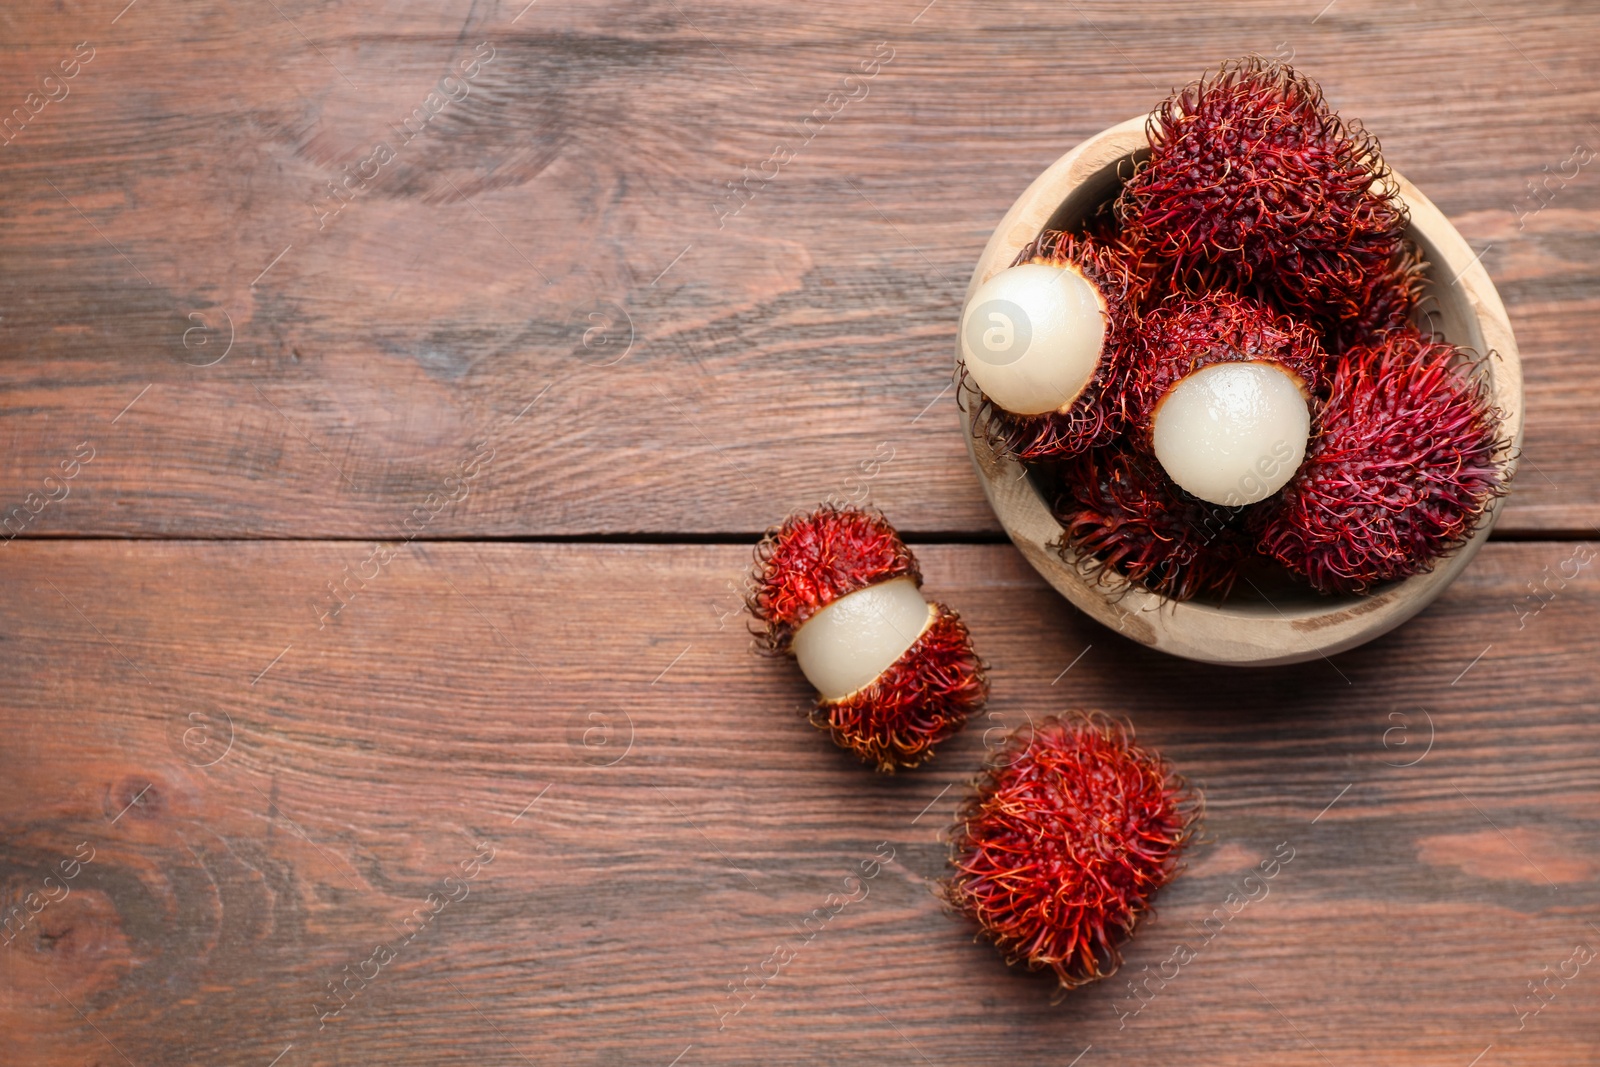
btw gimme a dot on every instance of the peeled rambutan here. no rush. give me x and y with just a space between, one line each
839 590
1092 416
1121 514
1408 459
1220 390
1068 835
1255 183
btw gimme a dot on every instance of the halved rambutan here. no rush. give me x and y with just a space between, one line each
839 590
1078 419
1121 514
1407 460
1253 181
1068 835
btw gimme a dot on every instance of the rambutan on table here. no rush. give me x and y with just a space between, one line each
392 394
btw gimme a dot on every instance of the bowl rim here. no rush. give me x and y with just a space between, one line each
1241 634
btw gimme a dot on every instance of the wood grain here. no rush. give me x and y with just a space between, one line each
739 366
287 731
661 818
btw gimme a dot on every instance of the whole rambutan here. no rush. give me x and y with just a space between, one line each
839 590
1255 183
1091 416
1120 514
1408 459
1068 835
1220 390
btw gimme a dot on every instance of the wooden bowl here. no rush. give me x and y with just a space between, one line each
1283 623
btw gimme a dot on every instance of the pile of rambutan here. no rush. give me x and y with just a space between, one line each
1220 372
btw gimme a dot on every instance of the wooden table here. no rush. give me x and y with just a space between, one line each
391 394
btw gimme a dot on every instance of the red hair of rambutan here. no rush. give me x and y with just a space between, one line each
1094 417
924 697
1185 334
1066 838
1120 513
1388 300
810 560
1254 181
1407 459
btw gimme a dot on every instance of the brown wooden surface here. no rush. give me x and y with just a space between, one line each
777 353
374 755
271 788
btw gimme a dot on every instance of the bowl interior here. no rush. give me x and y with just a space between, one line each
1270 617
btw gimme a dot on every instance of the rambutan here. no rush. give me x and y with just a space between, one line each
1120 514
1068 835
1220 391
839 590
1255 183
1092 415
1407 460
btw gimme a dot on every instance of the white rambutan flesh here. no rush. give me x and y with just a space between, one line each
854 639
1233 433
1032 337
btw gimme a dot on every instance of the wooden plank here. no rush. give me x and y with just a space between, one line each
267 803
738 364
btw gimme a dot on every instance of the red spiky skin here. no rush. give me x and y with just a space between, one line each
1388 301
1253 182
810 560
1125 272
1185 334
1407 460
1069 834
1121 514
1095 416
923 698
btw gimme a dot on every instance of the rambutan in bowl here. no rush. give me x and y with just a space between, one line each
1262 623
